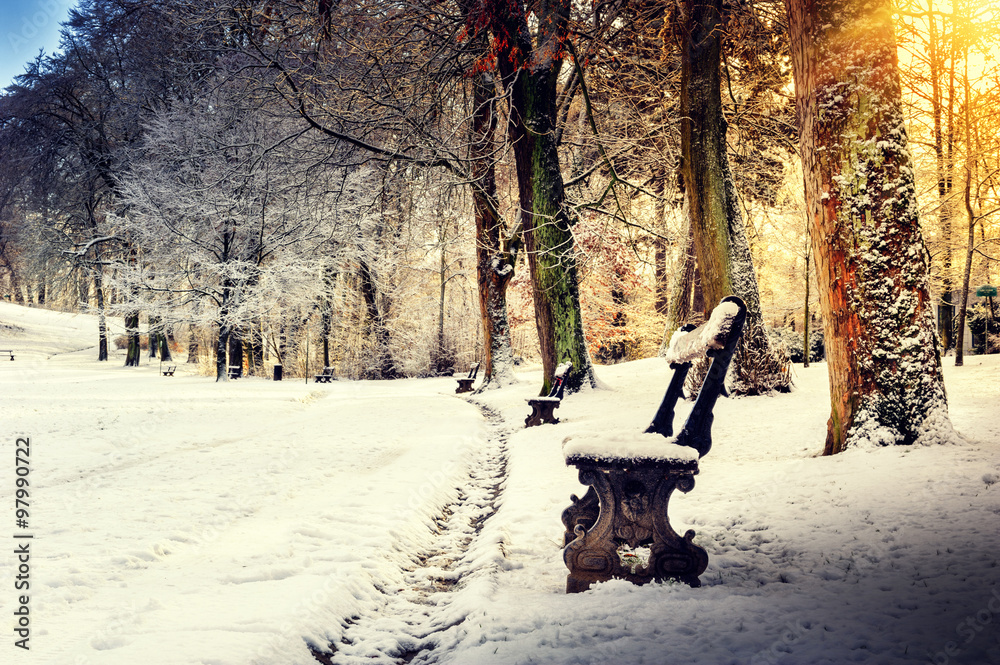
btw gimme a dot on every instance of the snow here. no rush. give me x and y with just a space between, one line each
179 521
687 346
626 445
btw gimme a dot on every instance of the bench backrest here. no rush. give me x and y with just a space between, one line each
559 380
717 339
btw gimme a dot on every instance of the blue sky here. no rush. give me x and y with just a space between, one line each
25 27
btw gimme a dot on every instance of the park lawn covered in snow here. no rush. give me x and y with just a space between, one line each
176 520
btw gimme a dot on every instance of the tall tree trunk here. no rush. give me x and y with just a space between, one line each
236 348
496 256
442 359
970 167
530 73
326 328
805 318
192 346
225 330
662 281
164 338
382 365
679 307
15 285
253 342
886 385
326 311
155 324
963 298
102 324
944 167
720 237
132 333
221 347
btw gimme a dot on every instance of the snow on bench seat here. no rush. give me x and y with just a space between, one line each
627 447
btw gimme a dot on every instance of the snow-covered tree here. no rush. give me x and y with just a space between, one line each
871 265
221 207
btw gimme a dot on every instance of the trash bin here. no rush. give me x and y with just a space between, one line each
277 372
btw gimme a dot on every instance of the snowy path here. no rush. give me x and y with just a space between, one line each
406 626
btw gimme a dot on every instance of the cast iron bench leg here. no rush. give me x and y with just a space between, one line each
542 412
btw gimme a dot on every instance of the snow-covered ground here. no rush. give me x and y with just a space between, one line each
179 521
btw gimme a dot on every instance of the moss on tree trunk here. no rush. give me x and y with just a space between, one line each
530 69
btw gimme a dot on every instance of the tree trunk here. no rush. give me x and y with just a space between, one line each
102 324
946 310
132 332
164 338
495 257
662 282
442 359
192 346
886 385
963 299
720 239
679 307
530 73
326 328
155 324
225 330
805 319
221 346
382 365
15 285
236 348
254 344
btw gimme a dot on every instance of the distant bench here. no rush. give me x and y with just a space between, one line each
326 376
235 371
465 383
543 408
8 352
169 371
620 528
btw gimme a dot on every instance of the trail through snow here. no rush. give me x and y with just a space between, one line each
406 624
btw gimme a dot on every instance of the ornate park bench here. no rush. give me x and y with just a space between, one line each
326 376
465 383
620 528
8 352
542 408
169 371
